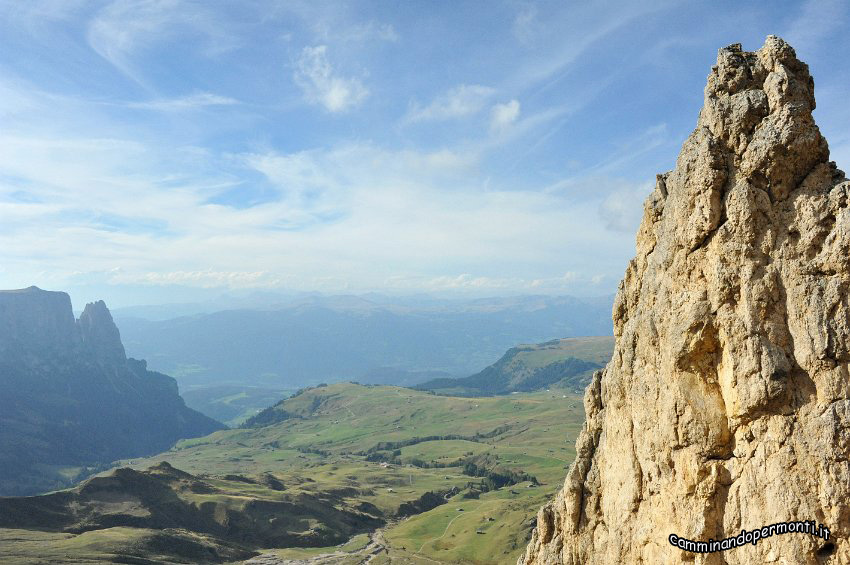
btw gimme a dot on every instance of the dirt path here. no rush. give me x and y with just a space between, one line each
376 546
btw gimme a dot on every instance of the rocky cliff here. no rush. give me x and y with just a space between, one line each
71 400
726 404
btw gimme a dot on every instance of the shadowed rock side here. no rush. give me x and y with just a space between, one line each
725 406
70 399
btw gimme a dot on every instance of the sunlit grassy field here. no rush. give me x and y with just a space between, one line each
344 419
321 450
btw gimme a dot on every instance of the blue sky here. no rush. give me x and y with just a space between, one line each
152 151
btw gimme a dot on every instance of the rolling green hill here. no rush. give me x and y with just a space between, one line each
565 363
429 472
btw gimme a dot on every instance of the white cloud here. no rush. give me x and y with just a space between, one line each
468 281
15 100
458 102
335 23
355 217
471 283
204 279
503 115
193 101
321 85
622 210
364 32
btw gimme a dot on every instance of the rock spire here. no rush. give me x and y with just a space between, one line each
726 404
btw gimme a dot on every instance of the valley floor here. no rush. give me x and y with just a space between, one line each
452 480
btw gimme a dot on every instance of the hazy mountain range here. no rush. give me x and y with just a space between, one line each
315 339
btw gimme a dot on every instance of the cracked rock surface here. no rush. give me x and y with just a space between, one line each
726 404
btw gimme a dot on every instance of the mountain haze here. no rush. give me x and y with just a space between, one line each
562 362
338 338
70 399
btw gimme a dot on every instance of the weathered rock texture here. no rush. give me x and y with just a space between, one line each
726 405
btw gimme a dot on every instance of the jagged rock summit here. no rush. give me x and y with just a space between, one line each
70 399
726 404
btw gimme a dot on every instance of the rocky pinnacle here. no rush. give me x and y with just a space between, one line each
726 404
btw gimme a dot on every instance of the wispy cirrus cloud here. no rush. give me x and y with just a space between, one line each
322 85
816 19
190 102
357 32
568 36
458 102
124 28
628 152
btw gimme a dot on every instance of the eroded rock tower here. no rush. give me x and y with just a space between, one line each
726 404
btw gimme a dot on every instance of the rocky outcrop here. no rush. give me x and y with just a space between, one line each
726 404
32 319
100 334
71 400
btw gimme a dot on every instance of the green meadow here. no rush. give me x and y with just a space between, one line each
374 449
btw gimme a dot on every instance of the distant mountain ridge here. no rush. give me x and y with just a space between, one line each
327 339
70 399
524 368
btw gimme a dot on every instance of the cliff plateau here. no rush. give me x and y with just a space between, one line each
70 399
726 404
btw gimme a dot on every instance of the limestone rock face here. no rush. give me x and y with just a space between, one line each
726 404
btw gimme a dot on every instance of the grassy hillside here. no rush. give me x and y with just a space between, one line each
565 363
340 454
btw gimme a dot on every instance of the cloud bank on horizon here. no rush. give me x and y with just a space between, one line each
167 145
